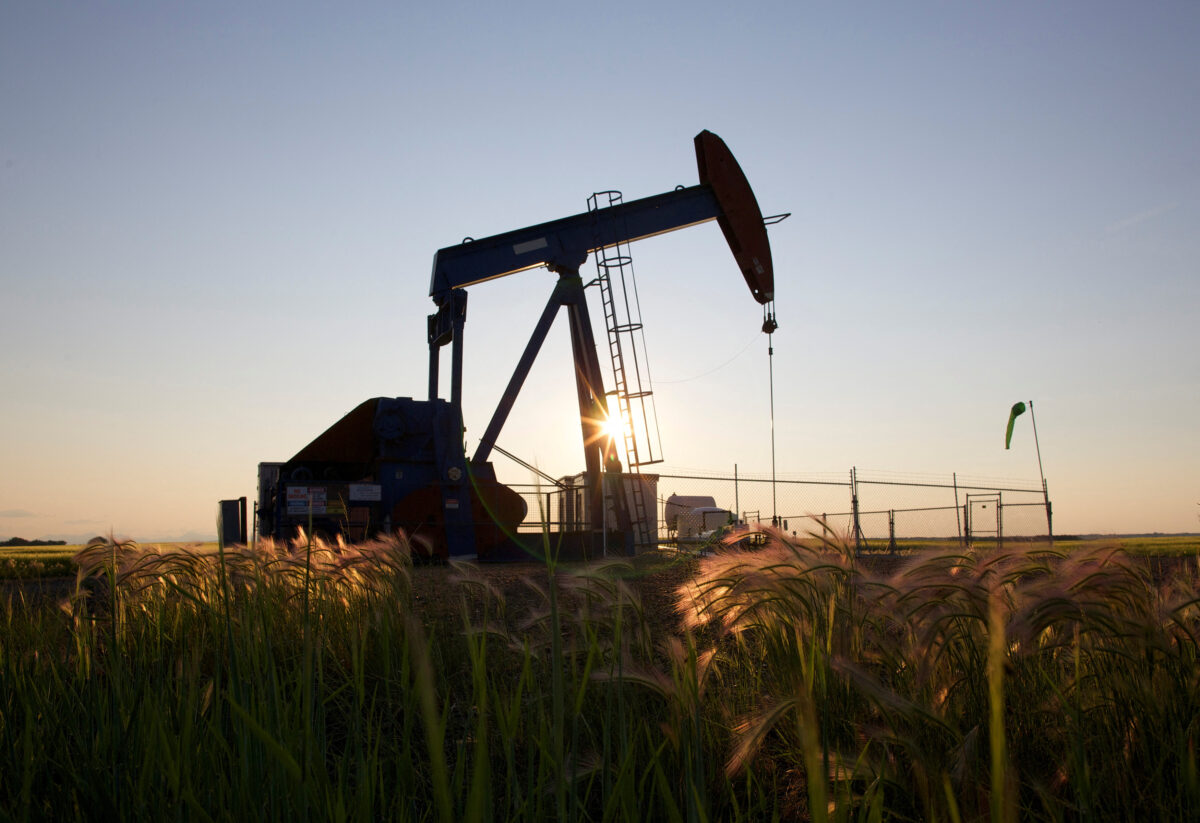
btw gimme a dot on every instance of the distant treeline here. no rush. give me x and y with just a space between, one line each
21 541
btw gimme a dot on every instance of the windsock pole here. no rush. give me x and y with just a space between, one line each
1036 445
1042 475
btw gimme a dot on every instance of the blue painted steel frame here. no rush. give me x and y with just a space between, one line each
567 242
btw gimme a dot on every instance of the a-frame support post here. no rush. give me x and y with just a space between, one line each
598 449
484 450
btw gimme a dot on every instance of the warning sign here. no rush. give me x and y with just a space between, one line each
366 492
305 499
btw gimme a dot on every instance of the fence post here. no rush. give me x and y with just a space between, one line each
854 511
999 522
957 521
1049 514
737 506
892 529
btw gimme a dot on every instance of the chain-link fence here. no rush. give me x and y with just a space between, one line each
874 511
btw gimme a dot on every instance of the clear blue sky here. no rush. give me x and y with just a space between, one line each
217 222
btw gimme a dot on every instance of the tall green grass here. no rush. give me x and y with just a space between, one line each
1030 684
310 681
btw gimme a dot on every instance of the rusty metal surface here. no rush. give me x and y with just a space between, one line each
496 511
349 440
741 219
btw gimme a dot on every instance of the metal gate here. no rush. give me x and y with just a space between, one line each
983 518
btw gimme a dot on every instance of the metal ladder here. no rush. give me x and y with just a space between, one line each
632 388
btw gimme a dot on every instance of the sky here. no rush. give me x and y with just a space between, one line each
217 221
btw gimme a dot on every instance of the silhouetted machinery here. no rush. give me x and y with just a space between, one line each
400 463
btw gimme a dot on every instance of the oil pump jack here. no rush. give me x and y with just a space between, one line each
400 463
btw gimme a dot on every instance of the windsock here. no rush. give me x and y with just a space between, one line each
1017 410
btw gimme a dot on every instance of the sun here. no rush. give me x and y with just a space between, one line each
609 429
613 428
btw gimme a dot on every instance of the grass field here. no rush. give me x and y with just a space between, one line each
24 562
794 682
27 562
52 561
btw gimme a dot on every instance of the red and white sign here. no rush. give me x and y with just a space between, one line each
303 499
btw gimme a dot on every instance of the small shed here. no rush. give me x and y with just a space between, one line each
678 504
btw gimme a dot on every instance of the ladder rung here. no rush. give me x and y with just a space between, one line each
610 257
